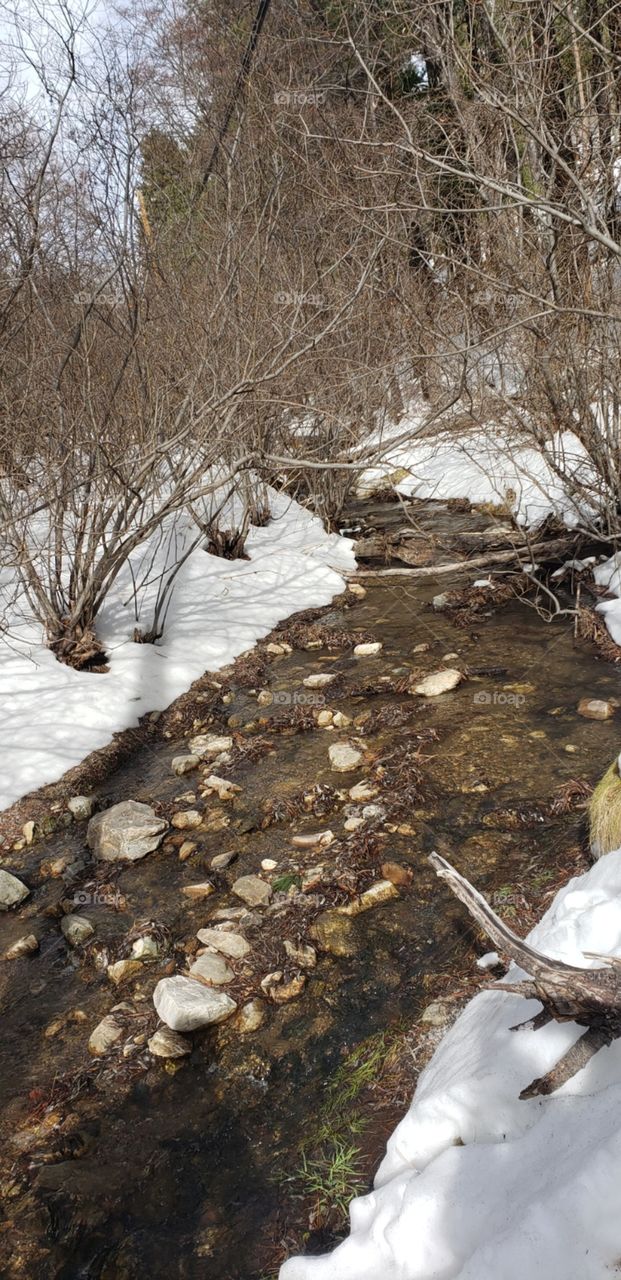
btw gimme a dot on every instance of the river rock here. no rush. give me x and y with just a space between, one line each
186 819
225 790
126 832
252 890
319 680
368 650
168 1044
301 953
210 744
334 933
81 807
439 682
396 873
12 891
344 758
356 589
107 1033
122 970
185 1004
381 891
212 969
25 946
440 602
250 1017
325 719
76 929
198 891
229 944
340 720
146 948
184 764
362 791
222 860
595 709
280 992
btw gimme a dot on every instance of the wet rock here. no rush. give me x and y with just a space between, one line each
356 589
368 650
168 1044
439 682
187 849
185 1004
378 893
123 970
186 819
224 789
571 749
319 680
250 1017
25 946
76 929
265 698
12 891
301 953
222 860
81 807
313 839
198 891
277 650
52 868
252 890
278 990
325 719
126 832
440 602
334 933
344 758
235 913
184 764
373 812
210 744
146 948
362 791
212 969
312 877
230 944
396 873
107 1033
340 720
353 824
595 709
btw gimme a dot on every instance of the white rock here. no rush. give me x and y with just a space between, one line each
185 1004
319 680
362 791
186 819
146 948
211 968
225 790
184 764
367 650
81 807
340 720
344 757
252 890
251 1016
230 944
268 864
76 929
25 946
12 891
127 831
356 589
209 744
439 682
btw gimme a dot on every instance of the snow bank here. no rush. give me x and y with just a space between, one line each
608 575
52 716
534 1189
485 467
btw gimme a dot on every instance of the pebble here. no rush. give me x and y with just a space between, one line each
230 944
186 819
367 650
595 709
340 720
222 860
250 1017
212 969
571 749
210 744
324 719
197 891
343 757
278 649
353 824
185 1004
81 807
280 992
362 791
265 698
252 890
126 832
122 970
25 946
168 1044
187 848
301 953
76 929
268 864
438 682
225 790
145 948
106 1034
312 839
184 764
12 891
355 589
319 680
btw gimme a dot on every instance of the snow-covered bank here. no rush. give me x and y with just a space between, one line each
533 1191
485 466
52 716
608 575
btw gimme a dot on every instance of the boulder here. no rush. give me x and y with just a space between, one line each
185 1004
126 832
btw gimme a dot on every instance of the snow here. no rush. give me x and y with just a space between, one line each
487 468
54 716
608 575
533 1191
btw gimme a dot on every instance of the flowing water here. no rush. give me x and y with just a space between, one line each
187 1170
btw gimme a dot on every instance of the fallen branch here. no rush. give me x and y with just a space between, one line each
550 549
590 997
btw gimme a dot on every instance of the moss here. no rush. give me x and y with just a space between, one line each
605 813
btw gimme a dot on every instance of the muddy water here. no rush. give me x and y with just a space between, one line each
127 1167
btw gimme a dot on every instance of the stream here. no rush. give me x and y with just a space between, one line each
210 1165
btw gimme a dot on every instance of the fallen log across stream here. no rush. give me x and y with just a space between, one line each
590 997
551 549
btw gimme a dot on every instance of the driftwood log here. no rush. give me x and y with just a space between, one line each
590 997
522 554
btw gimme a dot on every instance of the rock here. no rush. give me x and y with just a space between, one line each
450 657
373 812
187 849
146 948
28 831
344 758
396 873
421 648
353 824
355 589
106 1034
197 891
325 719
368 650
127 832
340 720
362 791
319 680
76 929
185 1004
252 890
379 892
250 1017
230 944
334 933
81 807
439 682
313 839
268 864
441 602
312 877
122 970
225 790
168 1044
184 764
210 744
280 992
25 946
265 698
595 709
12 891
571 749
223 860
54 867
212 969
301 953
435 1014
277 650
186 819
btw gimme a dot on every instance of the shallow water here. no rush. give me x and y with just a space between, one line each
181 1174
